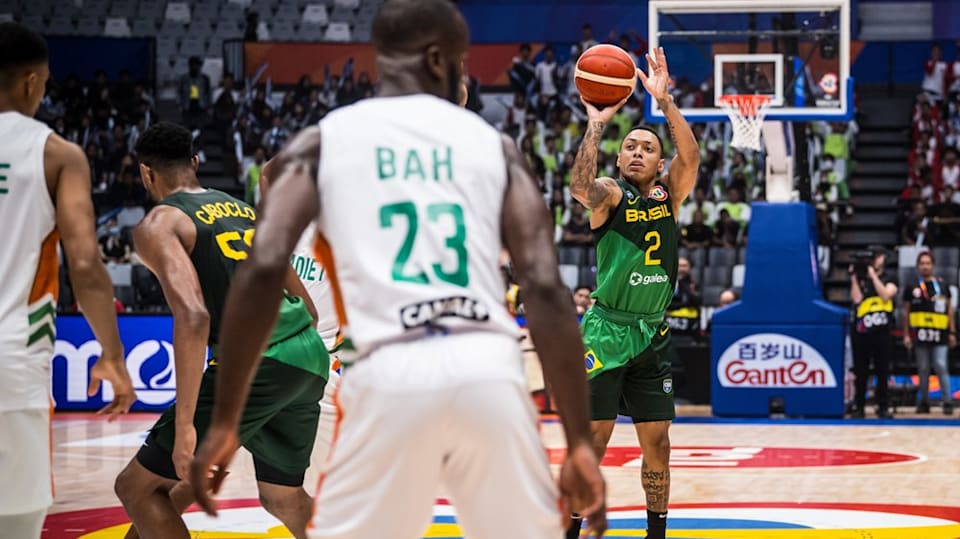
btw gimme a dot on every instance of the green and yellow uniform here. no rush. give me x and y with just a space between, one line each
280 418
627 340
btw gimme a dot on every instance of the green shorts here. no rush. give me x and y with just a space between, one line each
642 388
278 425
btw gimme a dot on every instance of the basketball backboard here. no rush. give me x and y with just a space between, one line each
797 52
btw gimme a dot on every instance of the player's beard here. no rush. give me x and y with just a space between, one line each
453 84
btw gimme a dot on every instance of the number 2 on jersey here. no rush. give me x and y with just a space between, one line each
654 238
456 242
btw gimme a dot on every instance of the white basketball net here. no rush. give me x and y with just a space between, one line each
746 113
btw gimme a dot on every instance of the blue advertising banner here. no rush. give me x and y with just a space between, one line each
148 343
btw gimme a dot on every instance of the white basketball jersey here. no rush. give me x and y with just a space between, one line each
411 194
314 279
29 268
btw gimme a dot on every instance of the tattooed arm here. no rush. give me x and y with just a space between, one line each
683 168
597 194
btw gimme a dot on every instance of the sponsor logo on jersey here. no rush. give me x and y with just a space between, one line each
592 362
668 385
637 279
773 360
428 312
658 193
644 216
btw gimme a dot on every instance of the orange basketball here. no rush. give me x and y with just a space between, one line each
605 74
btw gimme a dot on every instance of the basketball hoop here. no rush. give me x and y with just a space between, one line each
746 112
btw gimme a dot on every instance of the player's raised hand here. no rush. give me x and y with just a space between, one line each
113 369
605 114
209 467
583 489
657 81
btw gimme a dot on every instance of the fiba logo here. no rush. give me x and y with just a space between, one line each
150 364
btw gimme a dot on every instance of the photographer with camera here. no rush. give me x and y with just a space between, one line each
872 292
929 328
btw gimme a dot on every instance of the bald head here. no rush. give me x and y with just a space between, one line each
420 47
410 26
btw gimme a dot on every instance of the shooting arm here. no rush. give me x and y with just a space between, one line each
683 168
170 262
592 192
255 293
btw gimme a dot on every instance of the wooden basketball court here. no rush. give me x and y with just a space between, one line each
731 479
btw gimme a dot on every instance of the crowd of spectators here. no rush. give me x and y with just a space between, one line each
929 206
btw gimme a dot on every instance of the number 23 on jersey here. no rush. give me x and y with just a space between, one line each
395 214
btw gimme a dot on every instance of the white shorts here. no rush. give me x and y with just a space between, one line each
327 423
25 461
444 411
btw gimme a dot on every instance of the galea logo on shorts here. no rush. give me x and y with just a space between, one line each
591 362
657 193
637 279
773 360
151 372
668 385
427 312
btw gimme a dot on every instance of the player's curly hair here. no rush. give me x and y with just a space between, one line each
165 145
20 47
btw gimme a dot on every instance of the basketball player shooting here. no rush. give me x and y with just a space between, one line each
634 221
44 200
414 198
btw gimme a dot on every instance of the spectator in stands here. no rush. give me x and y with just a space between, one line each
950 169
194 93
250 31
683 314
297 119
726 231
546 74
533 159
302 91
946 218
582 299
114 246
98 169
225 100
364 86
522 73
825 225
696 235
348 94
586 37
931 332
934 74
735 207
576 231
872 293
567 71
727 297
917 231
251 176
127 189
275 137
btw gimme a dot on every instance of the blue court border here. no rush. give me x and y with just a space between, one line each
945 422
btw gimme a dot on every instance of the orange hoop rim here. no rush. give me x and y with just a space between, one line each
748 104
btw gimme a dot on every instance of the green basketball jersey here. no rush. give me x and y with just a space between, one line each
224 234
637 253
